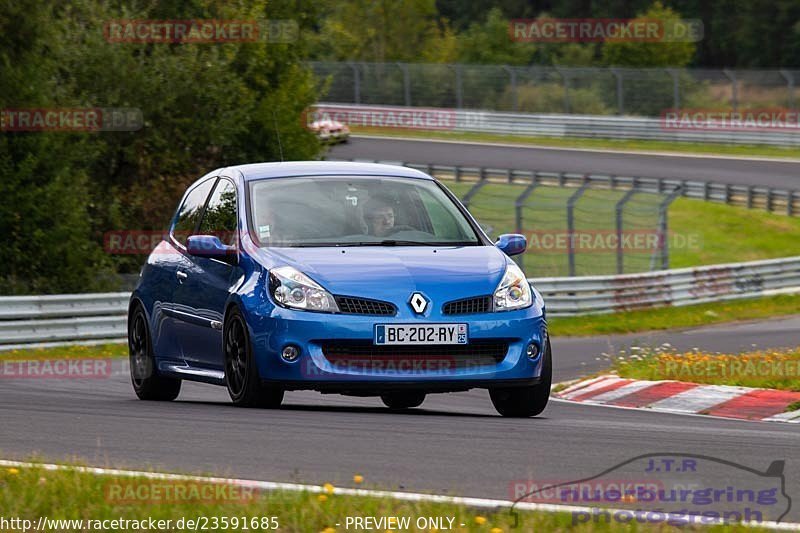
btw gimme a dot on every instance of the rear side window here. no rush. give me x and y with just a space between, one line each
190 211
220 217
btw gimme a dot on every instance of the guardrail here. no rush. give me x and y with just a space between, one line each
62 318
92 317
751 196
558 125
684 286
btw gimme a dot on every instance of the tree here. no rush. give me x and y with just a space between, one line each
631 53
381 30
46 240
204 106
489 42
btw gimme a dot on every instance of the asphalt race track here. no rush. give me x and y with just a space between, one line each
761 172
454 444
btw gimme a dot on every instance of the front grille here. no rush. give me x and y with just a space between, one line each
468 306
363 306
366 355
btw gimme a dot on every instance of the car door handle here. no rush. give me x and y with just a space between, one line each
181 275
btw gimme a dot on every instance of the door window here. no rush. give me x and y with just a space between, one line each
190 211
220 216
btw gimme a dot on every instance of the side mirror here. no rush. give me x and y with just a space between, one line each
512 243
211 246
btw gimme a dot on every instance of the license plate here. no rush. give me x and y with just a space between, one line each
421 334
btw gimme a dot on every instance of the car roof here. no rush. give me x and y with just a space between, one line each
258 171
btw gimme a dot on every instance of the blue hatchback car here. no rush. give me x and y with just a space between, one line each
350 278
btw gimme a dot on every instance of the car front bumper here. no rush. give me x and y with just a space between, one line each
316 369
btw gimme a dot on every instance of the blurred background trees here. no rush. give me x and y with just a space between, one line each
214 104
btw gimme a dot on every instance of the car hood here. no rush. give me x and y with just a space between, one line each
394 272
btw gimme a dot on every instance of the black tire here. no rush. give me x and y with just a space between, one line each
523 402
241 374
146 382
403 400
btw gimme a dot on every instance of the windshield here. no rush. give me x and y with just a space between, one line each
356 211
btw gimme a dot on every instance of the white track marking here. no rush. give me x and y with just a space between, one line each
791 417
591 385
699 399
615 394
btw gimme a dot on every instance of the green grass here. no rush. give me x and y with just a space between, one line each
769 369
675 317
599 144
30 493
731 234
75 351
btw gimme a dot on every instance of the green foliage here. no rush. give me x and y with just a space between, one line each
204 106
549 98
384 30
650 54
44 219
489 42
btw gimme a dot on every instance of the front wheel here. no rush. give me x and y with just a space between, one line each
241 374
403 400
147 384
523 402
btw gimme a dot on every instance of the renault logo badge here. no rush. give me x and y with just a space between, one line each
418 303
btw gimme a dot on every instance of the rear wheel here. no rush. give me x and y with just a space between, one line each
403 400
522 402
241 374
147 384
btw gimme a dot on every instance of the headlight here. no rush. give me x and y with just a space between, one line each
291 288
514 292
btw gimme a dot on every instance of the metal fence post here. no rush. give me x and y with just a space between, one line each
519 203
475 188
512 75
457 68
789 85
406 83
620 95
356 82
571 225
565 79
676 88
663 226
731 75
618 208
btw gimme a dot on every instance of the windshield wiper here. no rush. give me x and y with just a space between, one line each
395 242
401 242
384 242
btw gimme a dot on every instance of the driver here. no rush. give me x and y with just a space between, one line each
379 217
